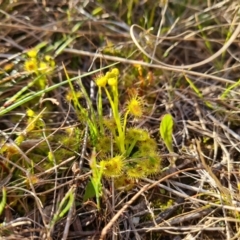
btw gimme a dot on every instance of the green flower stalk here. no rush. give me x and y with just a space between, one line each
111 78
113 83
101 82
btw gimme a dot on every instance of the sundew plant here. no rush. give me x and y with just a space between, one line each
123 152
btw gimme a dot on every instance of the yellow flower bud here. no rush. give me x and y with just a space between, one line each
31 65
101 81
49 59
115 72
32 53
43 67
112 81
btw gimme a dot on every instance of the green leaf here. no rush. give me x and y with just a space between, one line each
97 11
166 129
228 89
193 86
76 27
64 45
4 199
89 191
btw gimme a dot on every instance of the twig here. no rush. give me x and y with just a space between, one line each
205 61
141 63
69 217
114 219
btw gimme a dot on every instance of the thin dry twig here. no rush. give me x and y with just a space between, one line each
118 214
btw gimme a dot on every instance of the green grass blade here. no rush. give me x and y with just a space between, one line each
228 89
197 91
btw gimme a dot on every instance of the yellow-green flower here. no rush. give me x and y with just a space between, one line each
115 71
32 53
31 65
101 81
49 59
112 82
43 67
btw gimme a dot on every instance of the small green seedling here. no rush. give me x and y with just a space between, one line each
166 130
